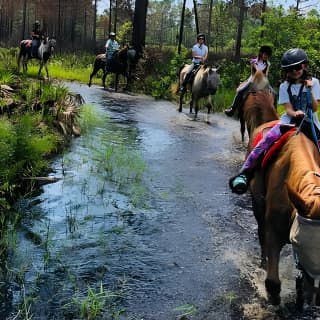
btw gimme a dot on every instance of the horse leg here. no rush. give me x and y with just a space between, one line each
272 282
126 75
258 207
210 107
104 78
92 75
180 101
40 68
191 104
117 81
196 109
46 68
24 64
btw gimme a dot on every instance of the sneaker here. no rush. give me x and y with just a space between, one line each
229 112
239 184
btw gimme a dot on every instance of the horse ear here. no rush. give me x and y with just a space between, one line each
298 201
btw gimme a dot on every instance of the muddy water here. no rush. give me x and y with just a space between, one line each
176 243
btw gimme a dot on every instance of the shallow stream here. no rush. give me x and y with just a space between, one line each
152 233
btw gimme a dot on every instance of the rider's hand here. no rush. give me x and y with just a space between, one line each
298 114
308 83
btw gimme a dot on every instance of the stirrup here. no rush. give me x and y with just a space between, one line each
239 184
182 89
229 112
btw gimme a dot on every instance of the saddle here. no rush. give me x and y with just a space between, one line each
27 43
193 74
276 146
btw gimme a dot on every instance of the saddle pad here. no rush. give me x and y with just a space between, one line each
263 132
276 147
28 43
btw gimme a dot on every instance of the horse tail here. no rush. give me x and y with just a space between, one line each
180 69
20 54
176 88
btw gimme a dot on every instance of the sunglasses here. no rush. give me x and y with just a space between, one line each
200 38
294 68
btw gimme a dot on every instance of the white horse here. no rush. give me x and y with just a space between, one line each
44 52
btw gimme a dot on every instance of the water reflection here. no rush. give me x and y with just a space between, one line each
84 224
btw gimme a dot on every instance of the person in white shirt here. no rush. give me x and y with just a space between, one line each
112 46
199 55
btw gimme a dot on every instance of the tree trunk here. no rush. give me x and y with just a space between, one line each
209 24
115 17
181 26
94 23
196 16
110 16
24 14
239 31
139 26
264 5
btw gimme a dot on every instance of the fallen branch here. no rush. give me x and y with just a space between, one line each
44 179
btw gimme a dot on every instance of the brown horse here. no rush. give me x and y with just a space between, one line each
289 184
258 106
205 84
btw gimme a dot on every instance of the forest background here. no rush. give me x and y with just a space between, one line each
234 32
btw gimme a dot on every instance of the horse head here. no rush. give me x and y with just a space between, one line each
213 79
132 56
258 104
259 82
50 43
206 81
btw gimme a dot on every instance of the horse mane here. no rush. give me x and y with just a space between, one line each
122 54
258 107
259 81
304 175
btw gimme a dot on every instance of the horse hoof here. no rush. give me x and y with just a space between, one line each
273 290
274 300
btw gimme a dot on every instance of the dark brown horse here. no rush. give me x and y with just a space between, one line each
205 84
123 63
258 106
289 184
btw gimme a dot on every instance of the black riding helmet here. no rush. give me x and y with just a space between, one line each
201 35
265 49
293 57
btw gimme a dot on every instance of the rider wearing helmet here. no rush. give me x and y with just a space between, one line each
199 55
259 63
36 36
112 46
294 94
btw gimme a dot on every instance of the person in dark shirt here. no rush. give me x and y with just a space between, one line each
36 36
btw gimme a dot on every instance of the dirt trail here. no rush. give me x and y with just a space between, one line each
193 248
